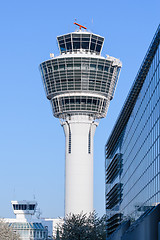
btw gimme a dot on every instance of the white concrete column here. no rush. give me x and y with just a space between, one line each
79 132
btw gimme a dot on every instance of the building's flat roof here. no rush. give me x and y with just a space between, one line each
133 94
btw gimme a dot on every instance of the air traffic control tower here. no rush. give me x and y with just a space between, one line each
79 84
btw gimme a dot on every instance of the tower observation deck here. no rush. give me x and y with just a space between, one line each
80 84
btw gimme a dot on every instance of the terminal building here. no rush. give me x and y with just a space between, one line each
133 157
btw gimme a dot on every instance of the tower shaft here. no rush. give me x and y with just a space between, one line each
79 133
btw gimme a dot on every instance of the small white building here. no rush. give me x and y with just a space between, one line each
26 223
53 225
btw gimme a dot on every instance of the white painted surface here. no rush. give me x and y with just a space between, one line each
79 164
52 224
24 215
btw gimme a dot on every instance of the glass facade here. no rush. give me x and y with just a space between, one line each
30 231
133 181
95 77
79 74
80 80
94 105
85 41
141 147
24 206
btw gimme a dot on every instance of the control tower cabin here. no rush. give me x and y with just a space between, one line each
24 210
80 84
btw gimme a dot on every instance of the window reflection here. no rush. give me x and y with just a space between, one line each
140 145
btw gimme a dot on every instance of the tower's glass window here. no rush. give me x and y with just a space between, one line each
56 67
77 66
68 42
92 46
85 66
67 101
49 69
72 100
74 42
78 100
62 67
94 37
86 38
85 45
93 67
98 48
60 38
68 45
69 66
89 101
96 43
61 42
62 47
24 207
111 70
68 36
106 68
76 45
83 100
100 67
31 207
44 70
94 101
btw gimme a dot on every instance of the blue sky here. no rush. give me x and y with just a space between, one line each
32 142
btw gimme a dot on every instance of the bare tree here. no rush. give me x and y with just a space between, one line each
7 233
82 227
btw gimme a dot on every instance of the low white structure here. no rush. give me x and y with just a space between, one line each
25 223
28 225
52 224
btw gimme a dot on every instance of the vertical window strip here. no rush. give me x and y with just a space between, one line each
69 142
89 142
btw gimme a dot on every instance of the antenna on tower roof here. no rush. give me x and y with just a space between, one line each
80 26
